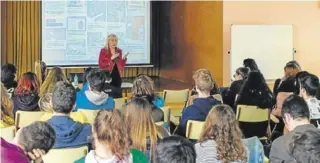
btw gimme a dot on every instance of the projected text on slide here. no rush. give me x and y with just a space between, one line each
73 32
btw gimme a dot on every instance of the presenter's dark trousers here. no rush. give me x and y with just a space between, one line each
116 78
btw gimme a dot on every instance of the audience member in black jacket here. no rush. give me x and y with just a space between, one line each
8 74
250 64
255 92
240 76
26 94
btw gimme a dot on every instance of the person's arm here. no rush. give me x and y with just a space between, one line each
104 62
122 61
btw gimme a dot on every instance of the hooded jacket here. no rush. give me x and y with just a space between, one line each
70 133
197 111
11 153
25 103
93 100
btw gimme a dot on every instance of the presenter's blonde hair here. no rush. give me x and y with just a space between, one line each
106 45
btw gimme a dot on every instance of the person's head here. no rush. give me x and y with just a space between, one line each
112 131
37 135
45 103
221 126
255 83
6 105
86 73
40 70
8 74
250 64
309 86
139 116
175 149
96 80
111 41
63 98
204 81
55 75
143 86
241 73
305 147
291 69
295 112
28 84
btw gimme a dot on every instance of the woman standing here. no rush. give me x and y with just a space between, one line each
111 59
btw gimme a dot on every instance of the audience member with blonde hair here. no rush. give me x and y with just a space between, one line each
55 75
40 69
143 131
6 109
143 86
202 104
220 139
111 140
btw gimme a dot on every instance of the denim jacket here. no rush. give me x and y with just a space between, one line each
255 149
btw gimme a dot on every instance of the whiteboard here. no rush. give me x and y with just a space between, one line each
271 46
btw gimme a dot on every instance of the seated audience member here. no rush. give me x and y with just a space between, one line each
175 149
250 64
143 86
40 70
45 104
30 142
255 92
6 109
305 148
55 75
26 95
202 104
143 131
220 139
308 90
288 82
295 114
240 76
68 132
8 75
300 75
94 98
111 140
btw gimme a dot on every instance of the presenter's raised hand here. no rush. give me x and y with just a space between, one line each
114 56
125 56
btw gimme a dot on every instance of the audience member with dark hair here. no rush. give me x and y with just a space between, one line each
220 140
55 75
202 104
6 109
30 142
255 92
26 95
40 70
68 132
300 75
175 149
295 114
143 86
240 76
309 87
94 98
305 148
8 75
250 64
111 140
288 82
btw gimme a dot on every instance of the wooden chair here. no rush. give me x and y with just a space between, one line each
65 155
24 118
119 102
194 129
90 114
176 100
8 133
166 119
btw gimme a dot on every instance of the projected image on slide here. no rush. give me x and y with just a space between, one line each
135 28
55 34
95 39
96 11
76 47
76 23
116 11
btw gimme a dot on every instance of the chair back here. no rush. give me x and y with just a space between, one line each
65 155
166 120
25 118
119 102
90 114
176 100
8 133
194 129
248 113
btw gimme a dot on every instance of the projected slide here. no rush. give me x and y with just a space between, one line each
73 32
